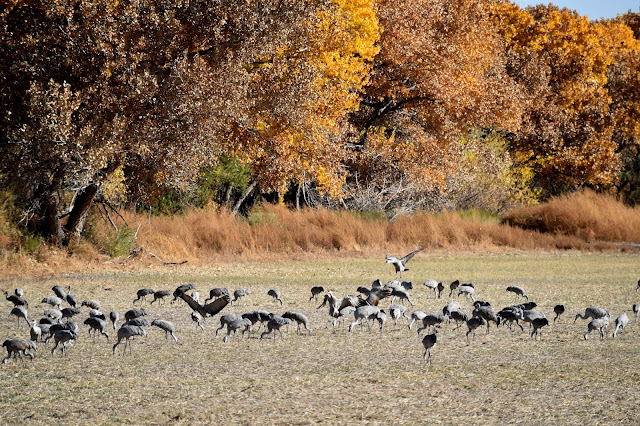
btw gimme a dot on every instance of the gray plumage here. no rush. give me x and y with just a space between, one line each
453 286
97 314
365 313
401 294
416 316
342 314
135 313
59 291
400 264
127 332
91 304
140 322
20 312
64 337
537 325
54 314
487 313
599 324
241 292
142 295
226 319
70 326
275 293
19 292
467 290
432 320
451 307
558 310
621 323
315 291
510 315
114 316
160 295
177 293
276 323
300 319
98 325
70 312
432 285
396 312
459 317
17 348
54 301
636 309
216 293
71 300
15 299
197 319
428 342
168 328
235 325
518 291
35 332
592 312
473 324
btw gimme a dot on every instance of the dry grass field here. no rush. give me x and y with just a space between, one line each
331 376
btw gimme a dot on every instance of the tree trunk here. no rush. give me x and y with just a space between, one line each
50 226
75 223
247 191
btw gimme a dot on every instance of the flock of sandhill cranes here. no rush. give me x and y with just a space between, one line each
57 322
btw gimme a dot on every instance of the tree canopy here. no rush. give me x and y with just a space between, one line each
365 104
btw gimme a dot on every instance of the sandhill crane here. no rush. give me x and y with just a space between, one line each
167 326
397 311
237 324
180 290
599 324
53 314
91 304
70 312
459 317
315 291
20 312
621 323
59 291
453 286
511 314
64 337
98 325
467 290
258 316
487 313
472 324
70 326
142 294
400 264
197 319
18 347
300 319
342 313
97 314
337 304
160 295
16 300
241 292
558 310
432 285
450 307
366 312
636 309
276 323
35 332
428 341
407 285
518 291
432 320
275 293
216 293
592 312
135 313
127 332
537 325
226 319
114 316
71 300
140 322
401 294
54 301
416 316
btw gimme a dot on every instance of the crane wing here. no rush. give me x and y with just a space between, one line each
209 309
408 257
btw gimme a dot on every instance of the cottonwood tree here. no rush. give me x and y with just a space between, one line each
158 89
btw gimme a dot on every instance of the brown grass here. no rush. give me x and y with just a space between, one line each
330 376
585 214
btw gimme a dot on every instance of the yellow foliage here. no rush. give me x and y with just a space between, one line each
113 188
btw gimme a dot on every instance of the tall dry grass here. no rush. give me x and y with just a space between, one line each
586 215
